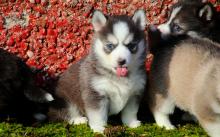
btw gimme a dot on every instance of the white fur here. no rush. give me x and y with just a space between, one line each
165 28
193 34
128 39
121 31
129 113
49 97
98 117
213 129
162 120
80 120
74 116
162 115
215 106
121 52
118 90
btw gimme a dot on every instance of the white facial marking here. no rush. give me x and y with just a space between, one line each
121 31
165 28
121 52
128 39
111 38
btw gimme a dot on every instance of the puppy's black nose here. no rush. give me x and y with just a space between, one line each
121 62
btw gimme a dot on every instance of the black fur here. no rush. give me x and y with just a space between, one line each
19 95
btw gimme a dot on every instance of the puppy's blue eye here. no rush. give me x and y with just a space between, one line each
110 46
177 28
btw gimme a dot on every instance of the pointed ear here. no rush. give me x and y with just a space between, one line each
98 20
140 19
190 1
206 12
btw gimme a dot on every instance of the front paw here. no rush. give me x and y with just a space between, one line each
98 129
134 124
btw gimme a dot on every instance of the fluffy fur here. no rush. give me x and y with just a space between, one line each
18 93
185 73
91 90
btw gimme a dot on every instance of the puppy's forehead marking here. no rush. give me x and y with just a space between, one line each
128 39
111 38
175 11
121 30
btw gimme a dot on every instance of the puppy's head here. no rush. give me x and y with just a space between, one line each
119 44
187 17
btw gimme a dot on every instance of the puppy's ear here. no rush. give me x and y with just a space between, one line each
190 1
206 12
98 20
140 19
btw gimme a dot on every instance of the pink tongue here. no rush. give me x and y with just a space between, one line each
122 71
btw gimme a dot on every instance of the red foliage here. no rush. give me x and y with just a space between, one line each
51 34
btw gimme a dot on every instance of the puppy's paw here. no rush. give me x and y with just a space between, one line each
80 120
134 124
167 126
98 129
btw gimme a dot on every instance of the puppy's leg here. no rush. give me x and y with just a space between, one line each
129 113
162 108
208 114
98 115
75 117
212 128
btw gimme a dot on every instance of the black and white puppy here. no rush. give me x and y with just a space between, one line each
111 79
197 19
18 90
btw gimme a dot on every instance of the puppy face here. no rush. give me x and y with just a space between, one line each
120 41
188 18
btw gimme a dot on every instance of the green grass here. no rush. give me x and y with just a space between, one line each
65 130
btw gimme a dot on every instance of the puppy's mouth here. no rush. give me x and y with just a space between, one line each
121 71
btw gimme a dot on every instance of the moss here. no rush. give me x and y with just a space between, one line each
65 130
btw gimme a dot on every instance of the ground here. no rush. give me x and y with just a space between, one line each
65 130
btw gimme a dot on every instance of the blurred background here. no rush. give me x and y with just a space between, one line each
50 35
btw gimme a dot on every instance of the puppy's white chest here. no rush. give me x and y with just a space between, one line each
117 91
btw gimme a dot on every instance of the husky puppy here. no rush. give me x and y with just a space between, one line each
195 18
18 91
111 79
185 73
